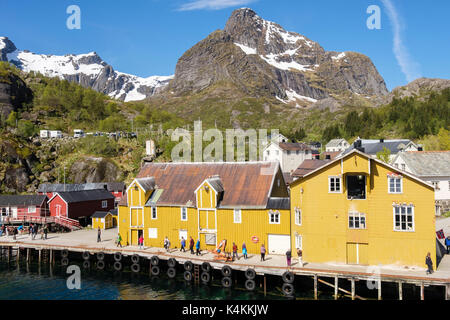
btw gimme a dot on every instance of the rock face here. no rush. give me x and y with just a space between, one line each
13 94
94 170
89 70
262 58
419 87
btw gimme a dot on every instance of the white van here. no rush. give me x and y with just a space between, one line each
44 134
77 133
56 134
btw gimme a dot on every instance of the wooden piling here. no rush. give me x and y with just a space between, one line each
315 287
336 287
379 289
447 292
400 290
422 294
265 288
28 255
40 251
18 254
353 288
51 256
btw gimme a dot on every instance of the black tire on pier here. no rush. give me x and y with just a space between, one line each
86 255
64 261
171 273
100 256
226 282
135 267
288 289
117 265
288 277
154 261
118 256
205 277
206 267
155 271
64 253
135 258
188 266
187 276
250 274
100 265
172 263
250 285
86 264
226 271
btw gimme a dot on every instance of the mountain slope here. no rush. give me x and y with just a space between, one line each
264 60
89 70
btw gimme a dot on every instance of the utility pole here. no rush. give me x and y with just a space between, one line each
64 178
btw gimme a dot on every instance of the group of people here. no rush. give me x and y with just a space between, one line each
33 231
192 243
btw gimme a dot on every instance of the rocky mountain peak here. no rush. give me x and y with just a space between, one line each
6 47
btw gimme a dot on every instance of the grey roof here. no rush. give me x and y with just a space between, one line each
114 212
216 183
22 200
279 203
86 195
373 146
100 214
427 163
110 186
147 183
334 143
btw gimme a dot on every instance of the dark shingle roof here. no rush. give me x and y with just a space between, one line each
291 146
279 203
100 214
22 200
87 195
372 148
308 166
110 186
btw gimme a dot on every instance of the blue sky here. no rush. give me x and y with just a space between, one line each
146 37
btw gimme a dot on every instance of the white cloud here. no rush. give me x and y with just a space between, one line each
213 4
407 64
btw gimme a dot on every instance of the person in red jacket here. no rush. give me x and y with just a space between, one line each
235 254
191 245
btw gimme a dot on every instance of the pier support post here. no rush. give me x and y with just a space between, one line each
40 251
9 253
422 295
315 287
400 291
447 292
51 256
265 287
379 289
353 288
336 287
28 255
18 254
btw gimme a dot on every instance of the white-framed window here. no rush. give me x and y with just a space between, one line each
237 216
274 217
298 216
31 209
403 167
435 185
154 213
153 233
299 242
395 184
277 152
105 204
356 220
334 184
404 218
184 215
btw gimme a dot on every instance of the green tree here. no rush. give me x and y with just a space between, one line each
384 155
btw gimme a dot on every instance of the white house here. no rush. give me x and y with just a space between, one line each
433 167
289 155
337 145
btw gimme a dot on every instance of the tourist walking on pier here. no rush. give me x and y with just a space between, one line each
191 245
141 242
447 244
45 232
99 234
167 244
300 257
15 232
288 258
30 230
235 254
244 251
263 252
429 263
35 231
197 247
119 240
183 244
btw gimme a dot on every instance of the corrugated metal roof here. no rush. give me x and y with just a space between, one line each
308 166
245 184
216 183
147 183
279 203
291 146
423 163
22 200
110 186
334 143
86 195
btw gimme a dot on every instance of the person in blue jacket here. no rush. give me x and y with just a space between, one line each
447 244
197 247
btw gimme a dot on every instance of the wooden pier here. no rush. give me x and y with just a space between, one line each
58 248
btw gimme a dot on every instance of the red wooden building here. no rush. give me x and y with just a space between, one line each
76 204
18 207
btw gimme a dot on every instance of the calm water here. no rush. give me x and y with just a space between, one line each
33 282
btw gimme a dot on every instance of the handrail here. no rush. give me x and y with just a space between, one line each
64 221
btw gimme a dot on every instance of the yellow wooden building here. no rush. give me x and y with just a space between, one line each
240 202
103 220
358 210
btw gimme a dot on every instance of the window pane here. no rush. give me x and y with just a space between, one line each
363 222
350 222
338 184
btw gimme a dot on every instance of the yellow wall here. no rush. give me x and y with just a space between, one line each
97 223
324 229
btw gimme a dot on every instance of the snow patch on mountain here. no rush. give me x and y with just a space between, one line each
89 70
246 49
